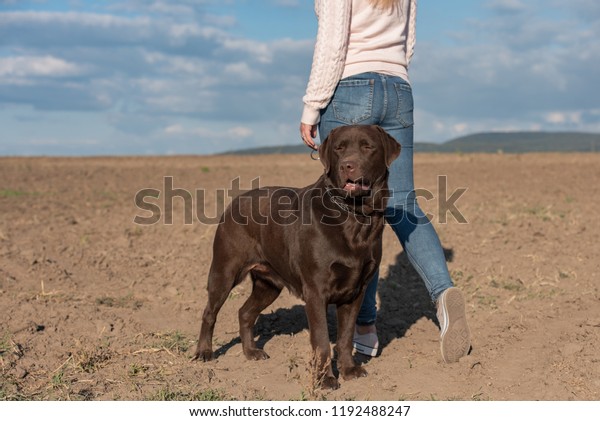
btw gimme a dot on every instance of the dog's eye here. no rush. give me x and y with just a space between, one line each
366 145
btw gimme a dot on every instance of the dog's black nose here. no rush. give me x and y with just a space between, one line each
348 166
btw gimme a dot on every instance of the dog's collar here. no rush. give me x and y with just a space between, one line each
339 202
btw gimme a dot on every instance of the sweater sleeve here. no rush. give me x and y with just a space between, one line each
329 56
412 32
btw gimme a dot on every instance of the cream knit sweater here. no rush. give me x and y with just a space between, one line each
354 38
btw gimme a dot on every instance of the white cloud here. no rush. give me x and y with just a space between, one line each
174 129
569 117
507 6
24 18
243 71
240 132
460 128
260 50
25 66
204 131
286 3
177 65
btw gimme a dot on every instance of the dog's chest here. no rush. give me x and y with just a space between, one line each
348 278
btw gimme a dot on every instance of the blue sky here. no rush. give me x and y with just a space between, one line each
204 76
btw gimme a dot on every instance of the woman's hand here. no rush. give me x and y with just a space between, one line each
308 132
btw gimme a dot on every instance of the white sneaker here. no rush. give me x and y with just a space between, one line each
367 344
455 337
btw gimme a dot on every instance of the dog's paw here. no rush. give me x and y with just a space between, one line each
256 354
330 382
203 355
354 373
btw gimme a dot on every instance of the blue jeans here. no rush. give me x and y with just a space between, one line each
373 98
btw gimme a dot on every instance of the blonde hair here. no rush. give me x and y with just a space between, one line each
384 4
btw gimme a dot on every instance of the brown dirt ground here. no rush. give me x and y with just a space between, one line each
96 307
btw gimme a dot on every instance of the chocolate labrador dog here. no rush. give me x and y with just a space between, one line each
322 242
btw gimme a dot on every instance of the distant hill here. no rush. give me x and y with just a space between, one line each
517 142
509 142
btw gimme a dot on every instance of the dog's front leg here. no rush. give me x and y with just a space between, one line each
346 315
316 312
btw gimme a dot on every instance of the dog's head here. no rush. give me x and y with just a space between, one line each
356 161
357 158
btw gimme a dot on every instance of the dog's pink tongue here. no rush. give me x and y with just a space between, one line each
355 186
350 186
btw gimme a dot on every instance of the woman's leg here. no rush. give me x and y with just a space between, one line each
368 310
414 230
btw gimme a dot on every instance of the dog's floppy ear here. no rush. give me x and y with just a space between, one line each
325 153
391 148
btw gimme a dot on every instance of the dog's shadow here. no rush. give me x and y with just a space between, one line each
403 300
283 321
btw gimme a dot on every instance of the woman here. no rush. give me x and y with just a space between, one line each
359 75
